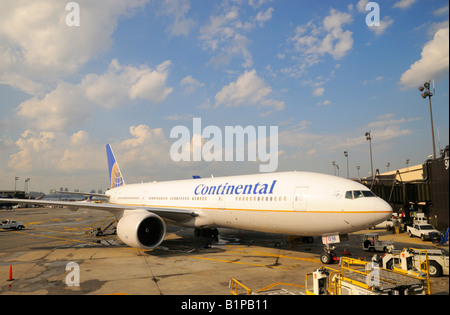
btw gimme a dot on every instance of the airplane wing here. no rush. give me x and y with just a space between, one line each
173 214
79 193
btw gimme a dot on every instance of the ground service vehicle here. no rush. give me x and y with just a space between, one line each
413 260
372 243
11 224
358 277
424 231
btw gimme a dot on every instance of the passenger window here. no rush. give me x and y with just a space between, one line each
348 195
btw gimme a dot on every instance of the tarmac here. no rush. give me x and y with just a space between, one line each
56 255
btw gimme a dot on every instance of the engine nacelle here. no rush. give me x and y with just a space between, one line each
141 229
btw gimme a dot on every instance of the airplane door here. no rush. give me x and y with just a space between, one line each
300 198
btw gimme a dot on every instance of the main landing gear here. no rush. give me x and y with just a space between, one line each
206 232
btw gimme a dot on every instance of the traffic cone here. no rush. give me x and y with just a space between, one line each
10 273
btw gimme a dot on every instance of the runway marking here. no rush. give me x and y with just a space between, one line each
234 262
259 253
33 223
55 237
53 231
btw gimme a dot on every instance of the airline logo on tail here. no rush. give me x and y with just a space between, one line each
115 175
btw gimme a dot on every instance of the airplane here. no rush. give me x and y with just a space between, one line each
293 203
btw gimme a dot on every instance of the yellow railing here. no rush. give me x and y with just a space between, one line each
234 287
333 284
424 266
271 286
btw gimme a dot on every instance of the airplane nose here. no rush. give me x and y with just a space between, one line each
382 210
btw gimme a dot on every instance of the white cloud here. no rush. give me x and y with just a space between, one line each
49 151
434 63
250 90
55 158
324 103
70 105
148 149
61 109
388 120
178 9
313 41
36 43
263 17
319 91
441 11
190 84
225 34
361 6
385 23
297 141
404 4
258 3
151 85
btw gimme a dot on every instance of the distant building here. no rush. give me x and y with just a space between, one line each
408 174
419 188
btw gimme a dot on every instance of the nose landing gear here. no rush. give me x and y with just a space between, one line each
328 255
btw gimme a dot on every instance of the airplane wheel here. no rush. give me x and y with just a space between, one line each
326 258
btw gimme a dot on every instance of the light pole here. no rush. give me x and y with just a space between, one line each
16 178
369 138
334 167
388 165
357 168
26 184
346 156
426 86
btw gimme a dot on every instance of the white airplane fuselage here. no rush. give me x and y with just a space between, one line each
295 203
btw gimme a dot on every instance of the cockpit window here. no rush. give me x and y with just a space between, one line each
355 194
368 193
349 195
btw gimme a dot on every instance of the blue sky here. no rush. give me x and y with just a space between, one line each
135 69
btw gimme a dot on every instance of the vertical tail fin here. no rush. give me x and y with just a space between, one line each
115 175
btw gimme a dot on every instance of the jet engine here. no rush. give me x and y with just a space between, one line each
141 229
